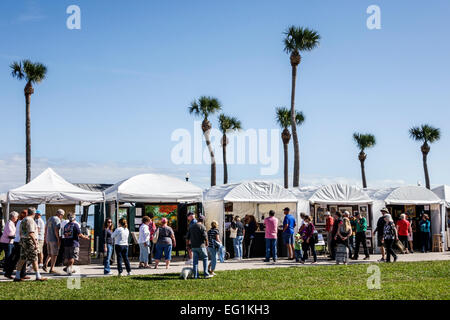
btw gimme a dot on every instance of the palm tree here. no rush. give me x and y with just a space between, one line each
32 73
297 39
363 141
283 118
227 124
204 107
427 134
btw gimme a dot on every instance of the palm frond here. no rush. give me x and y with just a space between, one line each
300 39
205 106
364 141
283 117
17 70
299 118
227 123
35 72
425 133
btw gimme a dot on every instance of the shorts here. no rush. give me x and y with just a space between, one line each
41 246
52 248
380 241
71 252
163 248
28 250
288 238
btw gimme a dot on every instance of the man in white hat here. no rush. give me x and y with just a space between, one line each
379 231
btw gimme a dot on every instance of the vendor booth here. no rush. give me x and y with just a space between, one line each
156 195
256 198
332 198
415 201
51 189
443 192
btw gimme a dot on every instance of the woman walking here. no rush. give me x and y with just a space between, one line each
307 232
237 241
403 228
120 237
166 240
144 242
108 246
390 235
213 246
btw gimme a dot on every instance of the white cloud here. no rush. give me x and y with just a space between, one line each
31 13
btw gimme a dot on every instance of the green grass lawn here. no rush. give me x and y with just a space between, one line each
403 280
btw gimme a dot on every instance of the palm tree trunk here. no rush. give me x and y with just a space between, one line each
28 138
286 169
225 166
296 177
425 169
363 174
213 159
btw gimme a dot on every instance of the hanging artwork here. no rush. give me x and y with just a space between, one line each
319 217
170 212
410 210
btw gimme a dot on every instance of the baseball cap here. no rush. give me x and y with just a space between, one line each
201 218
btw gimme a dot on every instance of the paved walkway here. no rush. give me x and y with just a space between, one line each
96 269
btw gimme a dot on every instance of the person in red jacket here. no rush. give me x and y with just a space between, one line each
328 228
403 228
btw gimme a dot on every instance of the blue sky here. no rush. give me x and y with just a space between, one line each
119 87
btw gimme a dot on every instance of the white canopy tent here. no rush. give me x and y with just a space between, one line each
51 188
250 197
154 188
443 192
409 195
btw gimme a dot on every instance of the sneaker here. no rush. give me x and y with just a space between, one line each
366 258
119 275
129 274
108 274
266 260
208 276
44 268
381 260
41 265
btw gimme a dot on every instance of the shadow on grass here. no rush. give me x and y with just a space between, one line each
164 276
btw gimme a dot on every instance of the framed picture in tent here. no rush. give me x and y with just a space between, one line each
364 211
168 211
343 209
123 213
319 216
333 210
410 210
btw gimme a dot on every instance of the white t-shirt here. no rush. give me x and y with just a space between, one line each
41 228
120 236
144 234
17 238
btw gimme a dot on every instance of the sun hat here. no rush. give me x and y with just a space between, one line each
384 210
38 212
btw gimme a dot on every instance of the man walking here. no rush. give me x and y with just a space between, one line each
329 221
40 237
72 234
198 240
361 228
191 221
53 240
379 231
288 232
271 230
28 246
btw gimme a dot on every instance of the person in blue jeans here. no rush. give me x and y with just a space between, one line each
197 238
288 232
120 237
271 229
166 240
214 244
108 246
425 231
237 242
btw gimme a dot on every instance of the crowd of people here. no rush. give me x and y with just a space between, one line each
26 234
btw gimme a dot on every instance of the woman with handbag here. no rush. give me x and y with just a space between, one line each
164 238
390 236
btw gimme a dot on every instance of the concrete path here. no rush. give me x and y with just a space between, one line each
96 269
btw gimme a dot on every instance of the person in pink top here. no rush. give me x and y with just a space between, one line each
7 239
271 225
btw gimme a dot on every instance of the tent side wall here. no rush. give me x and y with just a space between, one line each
214 210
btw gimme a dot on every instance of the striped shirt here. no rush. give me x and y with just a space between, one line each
212 236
